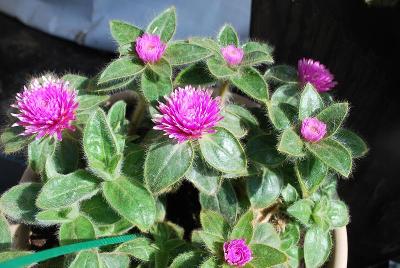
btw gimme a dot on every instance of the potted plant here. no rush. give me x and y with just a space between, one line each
265 166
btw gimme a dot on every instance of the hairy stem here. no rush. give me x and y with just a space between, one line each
138 114
224 91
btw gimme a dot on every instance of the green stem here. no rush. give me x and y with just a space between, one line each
224 91
138 114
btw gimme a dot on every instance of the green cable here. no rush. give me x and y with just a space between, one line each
59 251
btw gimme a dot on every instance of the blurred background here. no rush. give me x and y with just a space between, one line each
359 41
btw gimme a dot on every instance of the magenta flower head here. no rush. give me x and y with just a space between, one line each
232 55
315 73
46 107
237 253
312 129
150 48
188 114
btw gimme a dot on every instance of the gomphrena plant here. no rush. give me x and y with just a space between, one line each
265 165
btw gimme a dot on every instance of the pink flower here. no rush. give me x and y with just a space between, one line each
188 114
237 253
46 107
150 48
315 73
312 129
232 55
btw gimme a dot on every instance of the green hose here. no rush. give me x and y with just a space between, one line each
59 251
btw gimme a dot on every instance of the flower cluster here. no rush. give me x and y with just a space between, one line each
237 253
232 55
312 129
188 114
150 48
315 73
46 107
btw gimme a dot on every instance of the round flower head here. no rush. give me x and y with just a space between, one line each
312 129
237 253
188 114
46 107
150 48
315 73
232 55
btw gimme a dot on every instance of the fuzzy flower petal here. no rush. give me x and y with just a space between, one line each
315 73
312 129
188 114
150 48
232 55
237 253
46 107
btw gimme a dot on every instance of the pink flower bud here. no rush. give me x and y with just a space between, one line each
188 114
237 253
316 74
232 55
312 129
150 48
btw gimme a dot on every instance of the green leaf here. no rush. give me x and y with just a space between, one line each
98 210
9 255
317 246
301 210
65 158
207 43
140 248
111 260
264 190
243 229
289 194
291 236
194 74
164 24
18 203
154 85
338 214
89 259
163 231
109 87
124 32
131 200
228 36
218 67
247 119
262 149
310 102
256 53
78 230
265 233
266 256
224 202
320 213
289 94
187 259
5 234
100 146
210 263
232 123
291 144
166 163
223 151
204 178
77 82
116 117
282 115
38 152
213 242
252 83
333 116
351 141
56 216
161 67
332 154
214 223
12 141
122 68
65 190
90 102
310 173
281 74
180 53
133 161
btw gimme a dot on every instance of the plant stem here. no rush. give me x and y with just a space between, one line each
224 91
138 114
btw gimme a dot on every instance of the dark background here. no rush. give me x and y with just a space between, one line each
360 45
